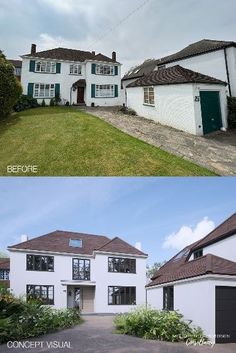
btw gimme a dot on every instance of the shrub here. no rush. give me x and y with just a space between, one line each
52 102
128 111
159 325
10 87
25 102
67 104
57 99
43 104
232 112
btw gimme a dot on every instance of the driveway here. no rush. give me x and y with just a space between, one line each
216 152
96 335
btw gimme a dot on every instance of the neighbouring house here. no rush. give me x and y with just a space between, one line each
200 282
4 272
67 269
17 68
216 59
180 98
78 77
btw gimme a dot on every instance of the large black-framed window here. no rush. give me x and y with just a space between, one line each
121 295
168 298
43 292
39 263
81 269
4 275
120 264
198 253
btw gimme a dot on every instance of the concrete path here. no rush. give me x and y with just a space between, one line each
96 335
217 152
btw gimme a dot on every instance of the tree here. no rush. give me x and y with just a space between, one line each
151 270
10 87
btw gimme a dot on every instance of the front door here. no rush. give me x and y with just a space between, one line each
78 298
211 111
80 95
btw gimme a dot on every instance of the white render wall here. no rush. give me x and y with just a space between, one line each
66 80
224 248
19 278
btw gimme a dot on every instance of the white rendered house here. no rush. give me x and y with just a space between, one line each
77 77
200 282
66 270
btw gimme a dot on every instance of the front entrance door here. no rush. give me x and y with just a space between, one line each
80 95
78 298
211 111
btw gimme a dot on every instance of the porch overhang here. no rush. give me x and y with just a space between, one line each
78 283
79 83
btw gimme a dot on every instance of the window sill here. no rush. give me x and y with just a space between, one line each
47 73
75 74
105 74
44 97
149 105
105 97
122 304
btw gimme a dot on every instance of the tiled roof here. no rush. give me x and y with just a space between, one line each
70 55
174 75
16 63
145 68
58 241
4 263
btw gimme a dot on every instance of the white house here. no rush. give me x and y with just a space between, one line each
66 269
200 282
78 77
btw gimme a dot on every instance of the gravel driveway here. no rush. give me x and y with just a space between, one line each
96 335
217 151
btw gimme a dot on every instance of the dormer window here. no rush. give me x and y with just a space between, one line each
197 254
75 243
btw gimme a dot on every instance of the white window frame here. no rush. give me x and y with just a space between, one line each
75 69
104 69
105 91
44 90
149 96
48 67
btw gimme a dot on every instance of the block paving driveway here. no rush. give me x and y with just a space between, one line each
96 335
216 151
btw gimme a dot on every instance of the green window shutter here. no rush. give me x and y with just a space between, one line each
116 70
30 91
32 66
57 90
93 67
92 91
116 90
58 68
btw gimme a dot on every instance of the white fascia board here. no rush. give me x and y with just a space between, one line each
49 59
195 279
27 251
76 283
118 254
103 62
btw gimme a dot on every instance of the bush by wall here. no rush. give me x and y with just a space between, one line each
158 325
232 112
25 102
10 87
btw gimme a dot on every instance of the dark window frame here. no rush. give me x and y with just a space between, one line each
84 271
197 254
128 290
128 260
4 273
168 298
47 269
46 301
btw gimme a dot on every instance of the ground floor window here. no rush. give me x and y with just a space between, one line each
44 293
105 91
42 90
168 298
4 275
149 95
121 295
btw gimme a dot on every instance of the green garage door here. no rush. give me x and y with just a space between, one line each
211 111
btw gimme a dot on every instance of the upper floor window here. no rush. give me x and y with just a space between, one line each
118 264
17 71
81 269
168 298
45 66
102 69
197 254
121 295
4 275
149 95
44 293
42 90
105 91
39 263
75 69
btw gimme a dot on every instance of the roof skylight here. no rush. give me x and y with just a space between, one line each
75 243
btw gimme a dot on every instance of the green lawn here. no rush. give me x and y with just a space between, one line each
64 141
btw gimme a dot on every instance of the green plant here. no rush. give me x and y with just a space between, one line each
10 87
52 102
57 99
159 325
43 104
25 102
232 112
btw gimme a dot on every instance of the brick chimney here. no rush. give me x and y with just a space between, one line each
33 48
114 56
93 52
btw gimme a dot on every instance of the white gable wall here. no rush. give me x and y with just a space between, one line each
224 248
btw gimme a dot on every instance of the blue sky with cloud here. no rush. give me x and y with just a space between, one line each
164 214
156 29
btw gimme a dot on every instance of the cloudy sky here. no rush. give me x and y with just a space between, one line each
164 214
136 29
